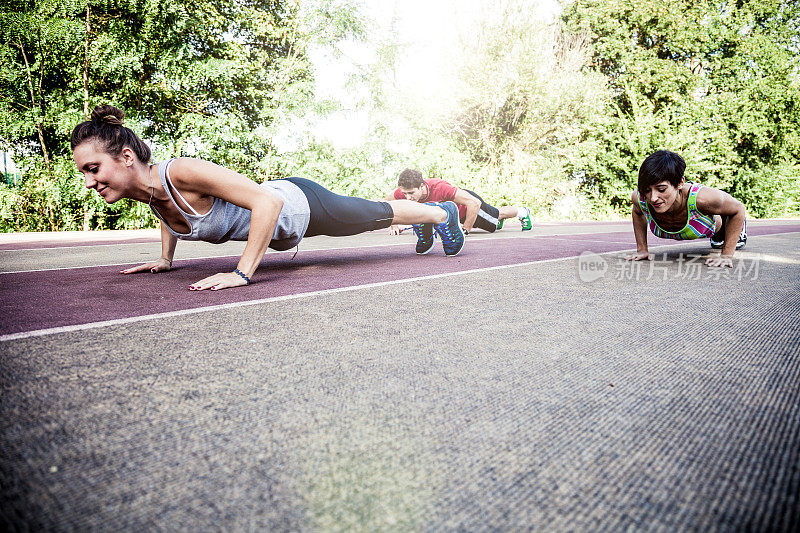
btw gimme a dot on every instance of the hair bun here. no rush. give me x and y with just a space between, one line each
108 114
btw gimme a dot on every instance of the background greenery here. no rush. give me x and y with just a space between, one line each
555 115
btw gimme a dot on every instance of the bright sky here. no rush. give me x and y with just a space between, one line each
430 32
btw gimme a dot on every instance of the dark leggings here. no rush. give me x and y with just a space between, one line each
336 215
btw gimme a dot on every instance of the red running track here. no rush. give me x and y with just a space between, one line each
31 301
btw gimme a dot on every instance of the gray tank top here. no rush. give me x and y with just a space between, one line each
226 221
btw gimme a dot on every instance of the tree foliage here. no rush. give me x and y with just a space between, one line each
513 107
522 106
204 78
716 80
557 116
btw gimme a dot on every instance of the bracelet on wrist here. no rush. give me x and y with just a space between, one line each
237 271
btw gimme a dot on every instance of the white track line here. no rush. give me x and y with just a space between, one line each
130 320
566 236
80 244
76 245
271 252
121 321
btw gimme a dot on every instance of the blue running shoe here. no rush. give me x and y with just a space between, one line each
450 230
424 233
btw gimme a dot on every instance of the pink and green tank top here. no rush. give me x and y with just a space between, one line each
698 225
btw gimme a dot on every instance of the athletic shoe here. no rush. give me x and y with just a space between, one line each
718 239
500 224
526 221
424 233
739 243
742 240
450 230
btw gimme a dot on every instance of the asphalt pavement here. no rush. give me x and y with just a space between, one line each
537 381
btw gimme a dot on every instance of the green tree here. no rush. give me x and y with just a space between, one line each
524 103
203 78
715 80
505 121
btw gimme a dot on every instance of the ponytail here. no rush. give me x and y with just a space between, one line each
106 126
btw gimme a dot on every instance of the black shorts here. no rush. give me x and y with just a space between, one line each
488 215
336 215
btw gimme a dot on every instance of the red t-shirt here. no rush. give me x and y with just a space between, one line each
438 191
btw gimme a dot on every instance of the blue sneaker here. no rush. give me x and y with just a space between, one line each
424 233
450 230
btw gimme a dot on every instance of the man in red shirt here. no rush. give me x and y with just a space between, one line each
472 210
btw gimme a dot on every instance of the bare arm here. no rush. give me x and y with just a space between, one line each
202 177
639 230
473 206
168 243
715 202
164 263
263 219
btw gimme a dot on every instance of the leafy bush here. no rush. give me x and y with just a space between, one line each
63 203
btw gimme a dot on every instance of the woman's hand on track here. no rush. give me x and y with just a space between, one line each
162 265
639 256
720 261
223 280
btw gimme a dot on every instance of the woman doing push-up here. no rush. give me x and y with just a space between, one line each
675 209
198 200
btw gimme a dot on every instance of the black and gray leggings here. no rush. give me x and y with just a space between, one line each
337 215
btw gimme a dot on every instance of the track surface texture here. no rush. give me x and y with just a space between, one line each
536 381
